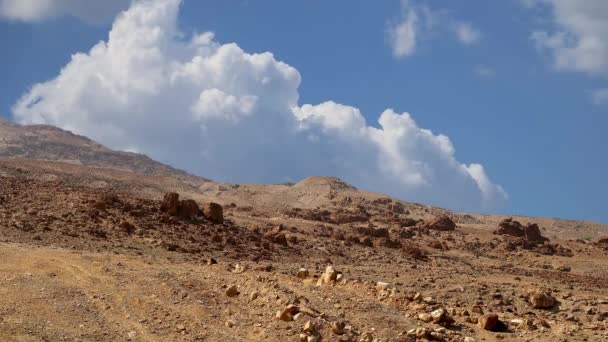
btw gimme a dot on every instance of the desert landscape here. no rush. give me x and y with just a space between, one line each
100 245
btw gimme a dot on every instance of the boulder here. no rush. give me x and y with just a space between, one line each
170 204
188 209
443 223
540 299
510 227
532 234
488 321
213 212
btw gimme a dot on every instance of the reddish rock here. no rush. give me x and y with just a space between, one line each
213 212
443 223
188 209
510 227
532 234
170 204
488 322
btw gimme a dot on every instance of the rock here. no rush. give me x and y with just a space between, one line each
422 333
170 204
211 261
232 291
540 299
213 212
382 286
253 296
443 223
517 322
230 323
278 238
238 268
337 327
532 234
470 339
510 227
366 337
188 209
309 327
425 317
441 316
287 313
328 277
302 273
488 321
127 227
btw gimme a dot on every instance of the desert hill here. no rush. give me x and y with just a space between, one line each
43 142
94 247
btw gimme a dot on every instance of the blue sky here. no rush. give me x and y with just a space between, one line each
530 121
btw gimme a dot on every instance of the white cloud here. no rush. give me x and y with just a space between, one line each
403 35
417 22
599 97
577 36
221 112
36 10
466 33
484 71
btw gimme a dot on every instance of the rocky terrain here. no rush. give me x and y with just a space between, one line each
97 245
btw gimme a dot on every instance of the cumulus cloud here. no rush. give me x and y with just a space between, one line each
419 21
230 115
466 33
576 35
37 10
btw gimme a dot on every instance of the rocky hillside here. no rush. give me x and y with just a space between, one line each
42 142
94 250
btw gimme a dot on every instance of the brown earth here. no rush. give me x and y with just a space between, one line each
90 253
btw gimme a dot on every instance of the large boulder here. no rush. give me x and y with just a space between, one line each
603 243
510 227
188 209
443 223
170 204
532 234
213 212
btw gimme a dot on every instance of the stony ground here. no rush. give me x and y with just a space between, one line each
92 255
